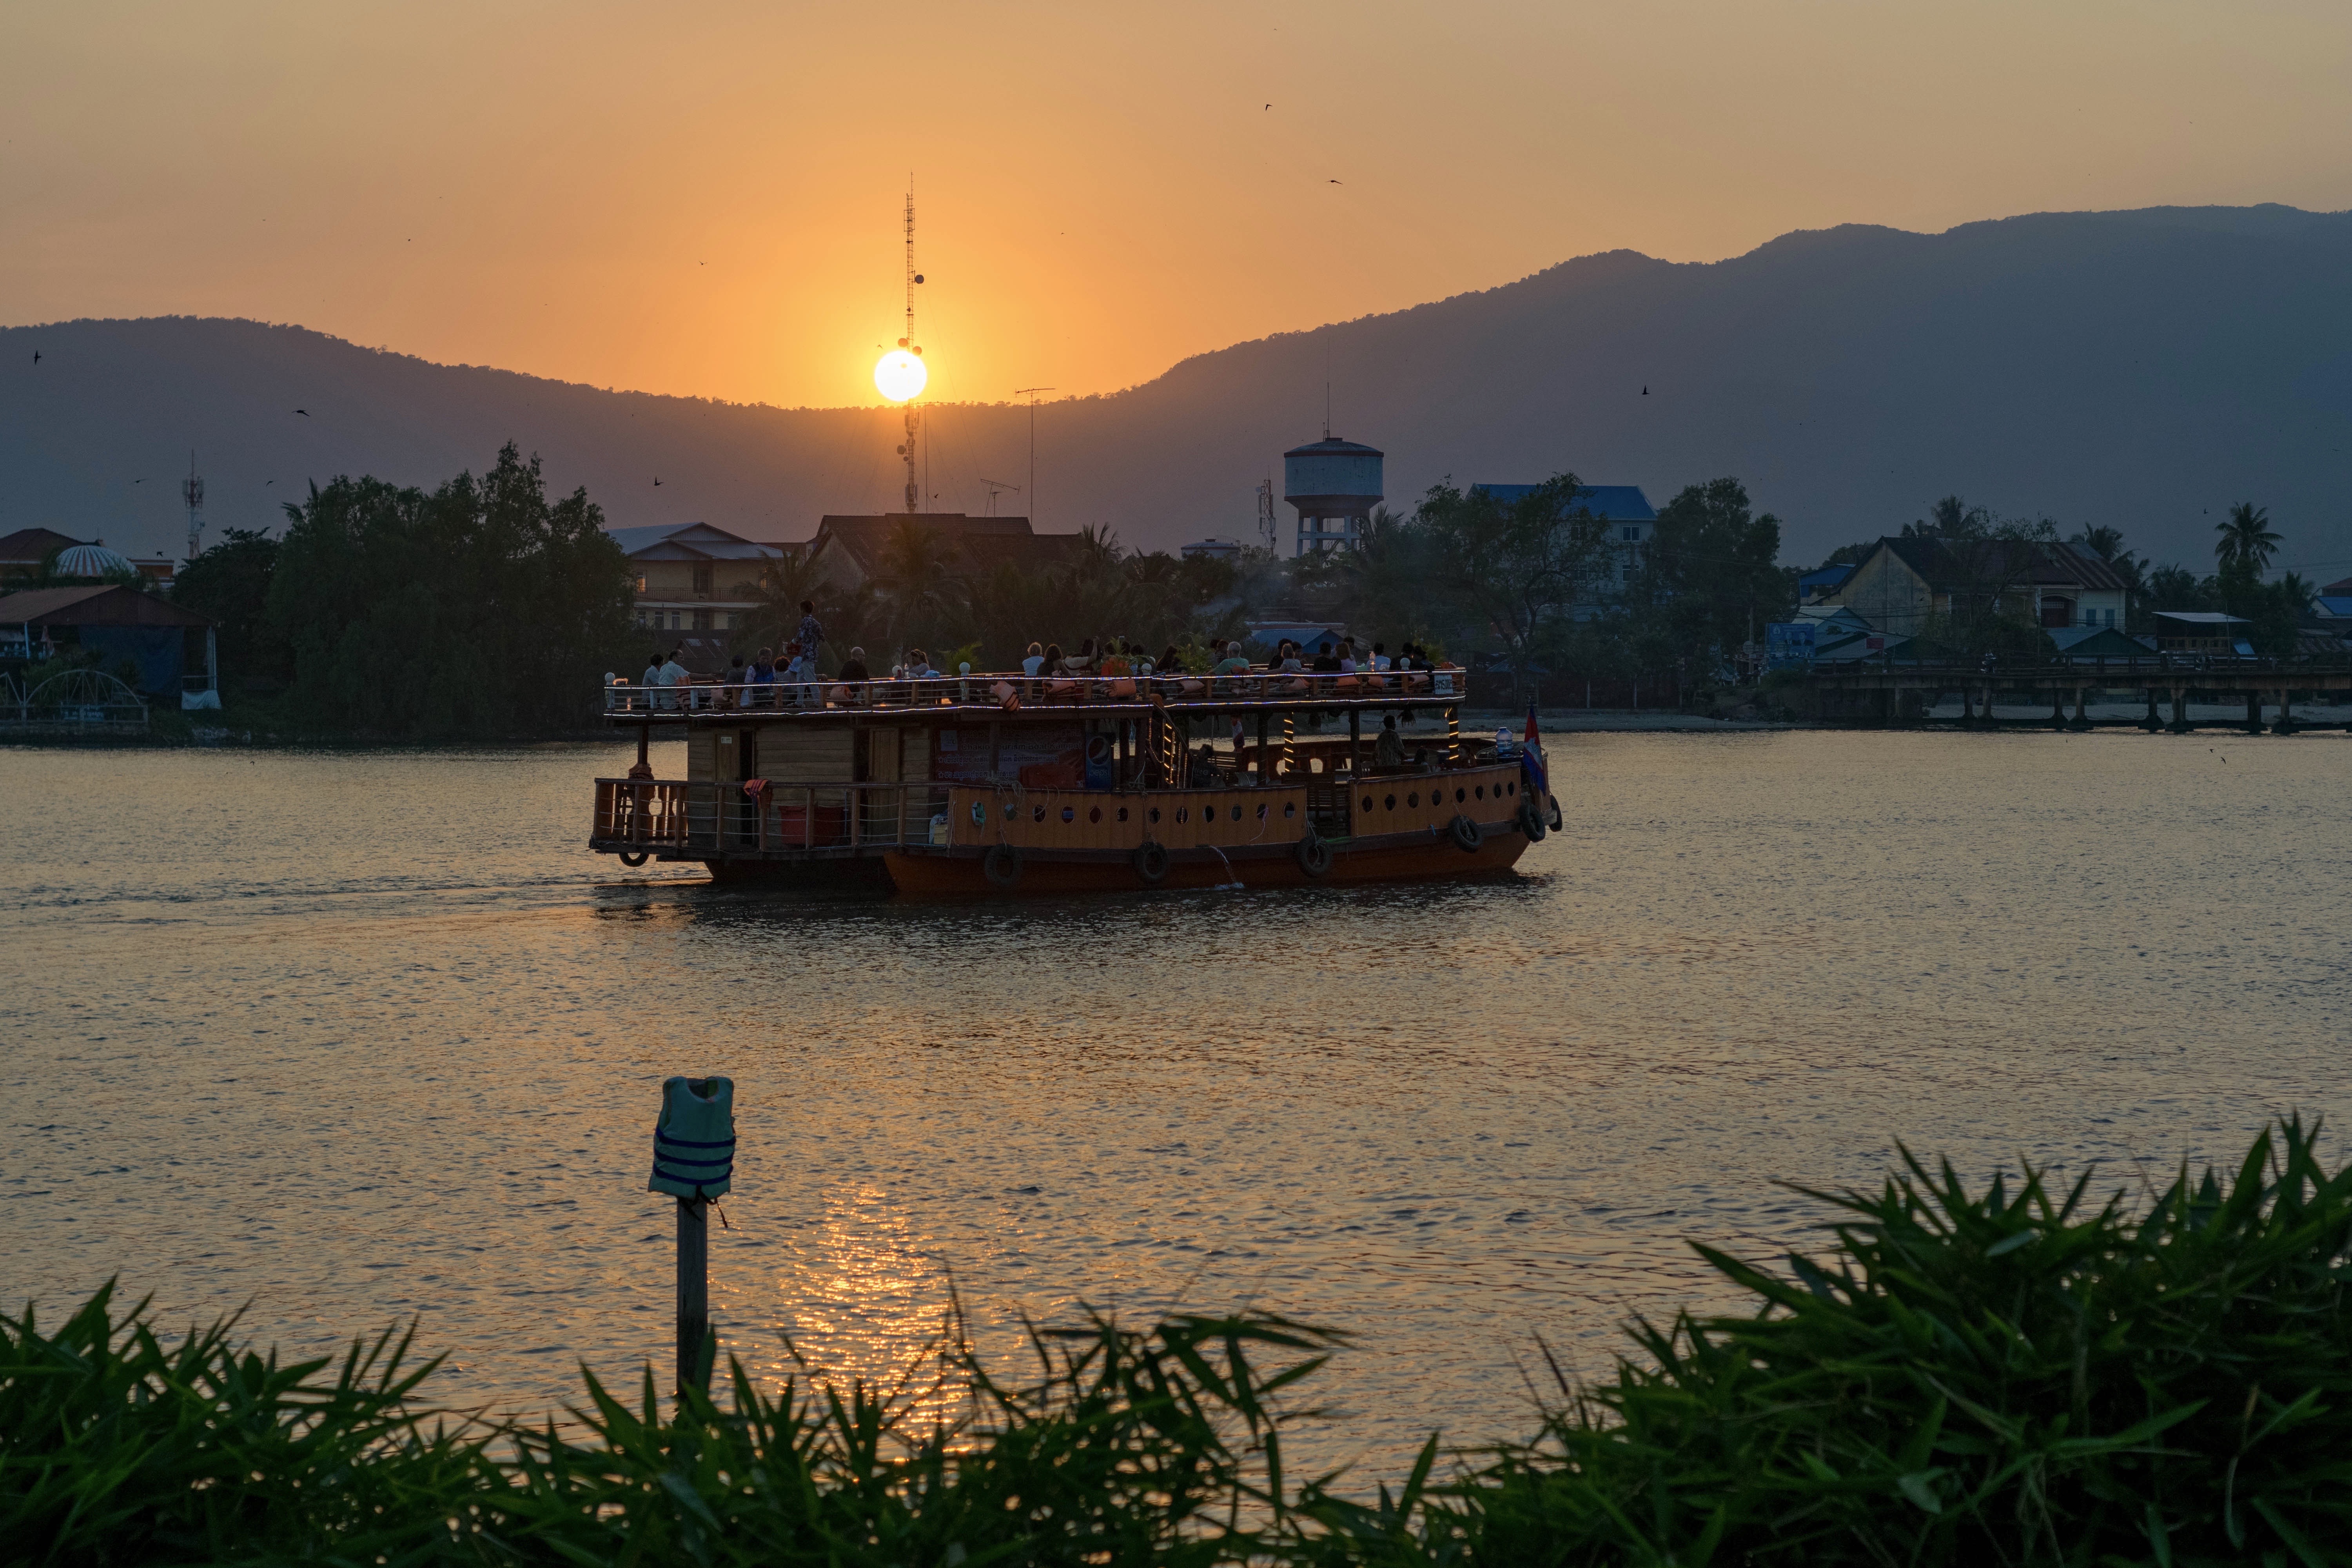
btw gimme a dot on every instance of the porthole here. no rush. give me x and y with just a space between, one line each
1183 813
1480 790
1460 795
1122 812
1388 803
1290 809
1414 799
1368 803
1069 813
1094 813
1512 788
1152 816
1037 814
1237 814
1008 811
1261 811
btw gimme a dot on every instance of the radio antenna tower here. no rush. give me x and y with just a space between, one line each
914 490
191 490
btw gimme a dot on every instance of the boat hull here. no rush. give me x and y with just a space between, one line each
951 872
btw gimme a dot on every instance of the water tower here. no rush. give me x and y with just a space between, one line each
1334 484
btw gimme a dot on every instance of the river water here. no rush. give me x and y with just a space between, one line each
358 1037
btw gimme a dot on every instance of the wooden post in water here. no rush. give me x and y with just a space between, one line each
693 1289
694 1162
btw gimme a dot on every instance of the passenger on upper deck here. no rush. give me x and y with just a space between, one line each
672 675
812 633
853 667
1054 664
1084 661
1035 662
918 666
1115 661
1286 658
1171 662
1233 663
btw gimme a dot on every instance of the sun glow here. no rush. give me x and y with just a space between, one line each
899 375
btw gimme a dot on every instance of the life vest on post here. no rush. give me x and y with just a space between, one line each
694 1141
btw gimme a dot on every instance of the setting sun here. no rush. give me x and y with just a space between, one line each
899 375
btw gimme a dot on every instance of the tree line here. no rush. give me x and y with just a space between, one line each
480 609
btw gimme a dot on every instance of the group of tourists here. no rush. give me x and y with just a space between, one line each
790 678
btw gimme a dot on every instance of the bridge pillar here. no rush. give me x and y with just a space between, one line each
2254 712
2180 725
2154 723
2285 725
2081 707
1968 703
2057 706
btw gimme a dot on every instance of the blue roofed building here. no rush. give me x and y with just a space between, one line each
1631 522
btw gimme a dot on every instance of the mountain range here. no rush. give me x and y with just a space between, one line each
2142 370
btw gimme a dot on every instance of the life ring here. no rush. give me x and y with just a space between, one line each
1465 835
1001 867
1314 856
1551 811
1531 822
1151 862
635 857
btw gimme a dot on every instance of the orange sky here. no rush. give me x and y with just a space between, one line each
705 199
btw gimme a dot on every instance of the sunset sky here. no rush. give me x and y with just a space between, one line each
705 200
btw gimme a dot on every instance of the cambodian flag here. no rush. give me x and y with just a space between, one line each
1531 761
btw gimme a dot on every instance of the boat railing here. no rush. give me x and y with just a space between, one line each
693 817
1015 691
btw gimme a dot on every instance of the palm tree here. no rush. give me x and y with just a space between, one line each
2247 539
914 577
2298 591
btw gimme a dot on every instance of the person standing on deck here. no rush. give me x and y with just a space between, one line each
1390 752
812 633
673 675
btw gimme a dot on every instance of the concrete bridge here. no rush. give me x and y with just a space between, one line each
1897 693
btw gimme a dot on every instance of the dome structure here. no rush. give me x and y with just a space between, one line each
91 561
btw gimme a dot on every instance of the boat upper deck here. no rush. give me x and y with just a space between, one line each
997 696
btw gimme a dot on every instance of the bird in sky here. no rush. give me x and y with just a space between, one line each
657 482
138 481
303 411
267 483
1335 181
1269 105
1645 392
36 356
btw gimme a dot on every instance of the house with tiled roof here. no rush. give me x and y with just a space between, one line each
848 551
1905 580
696 579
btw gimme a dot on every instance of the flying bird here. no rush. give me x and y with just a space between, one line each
36 356
657 482
1645 392
1335 181
138 481
1269 105
303 411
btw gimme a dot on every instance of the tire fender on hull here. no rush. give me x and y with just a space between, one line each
1001 867
1151 862
1314 856
1466 834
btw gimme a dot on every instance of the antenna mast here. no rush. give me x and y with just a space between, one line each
1031 394
191 492
914 492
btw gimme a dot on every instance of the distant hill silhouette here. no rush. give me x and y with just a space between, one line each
2135 369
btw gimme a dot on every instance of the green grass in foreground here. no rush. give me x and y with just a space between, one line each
2011 1375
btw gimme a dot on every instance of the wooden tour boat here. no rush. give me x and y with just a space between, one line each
983 783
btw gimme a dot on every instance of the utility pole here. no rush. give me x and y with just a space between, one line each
914 493
1031 394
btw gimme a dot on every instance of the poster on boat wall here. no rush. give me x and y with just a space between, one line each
1041 756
